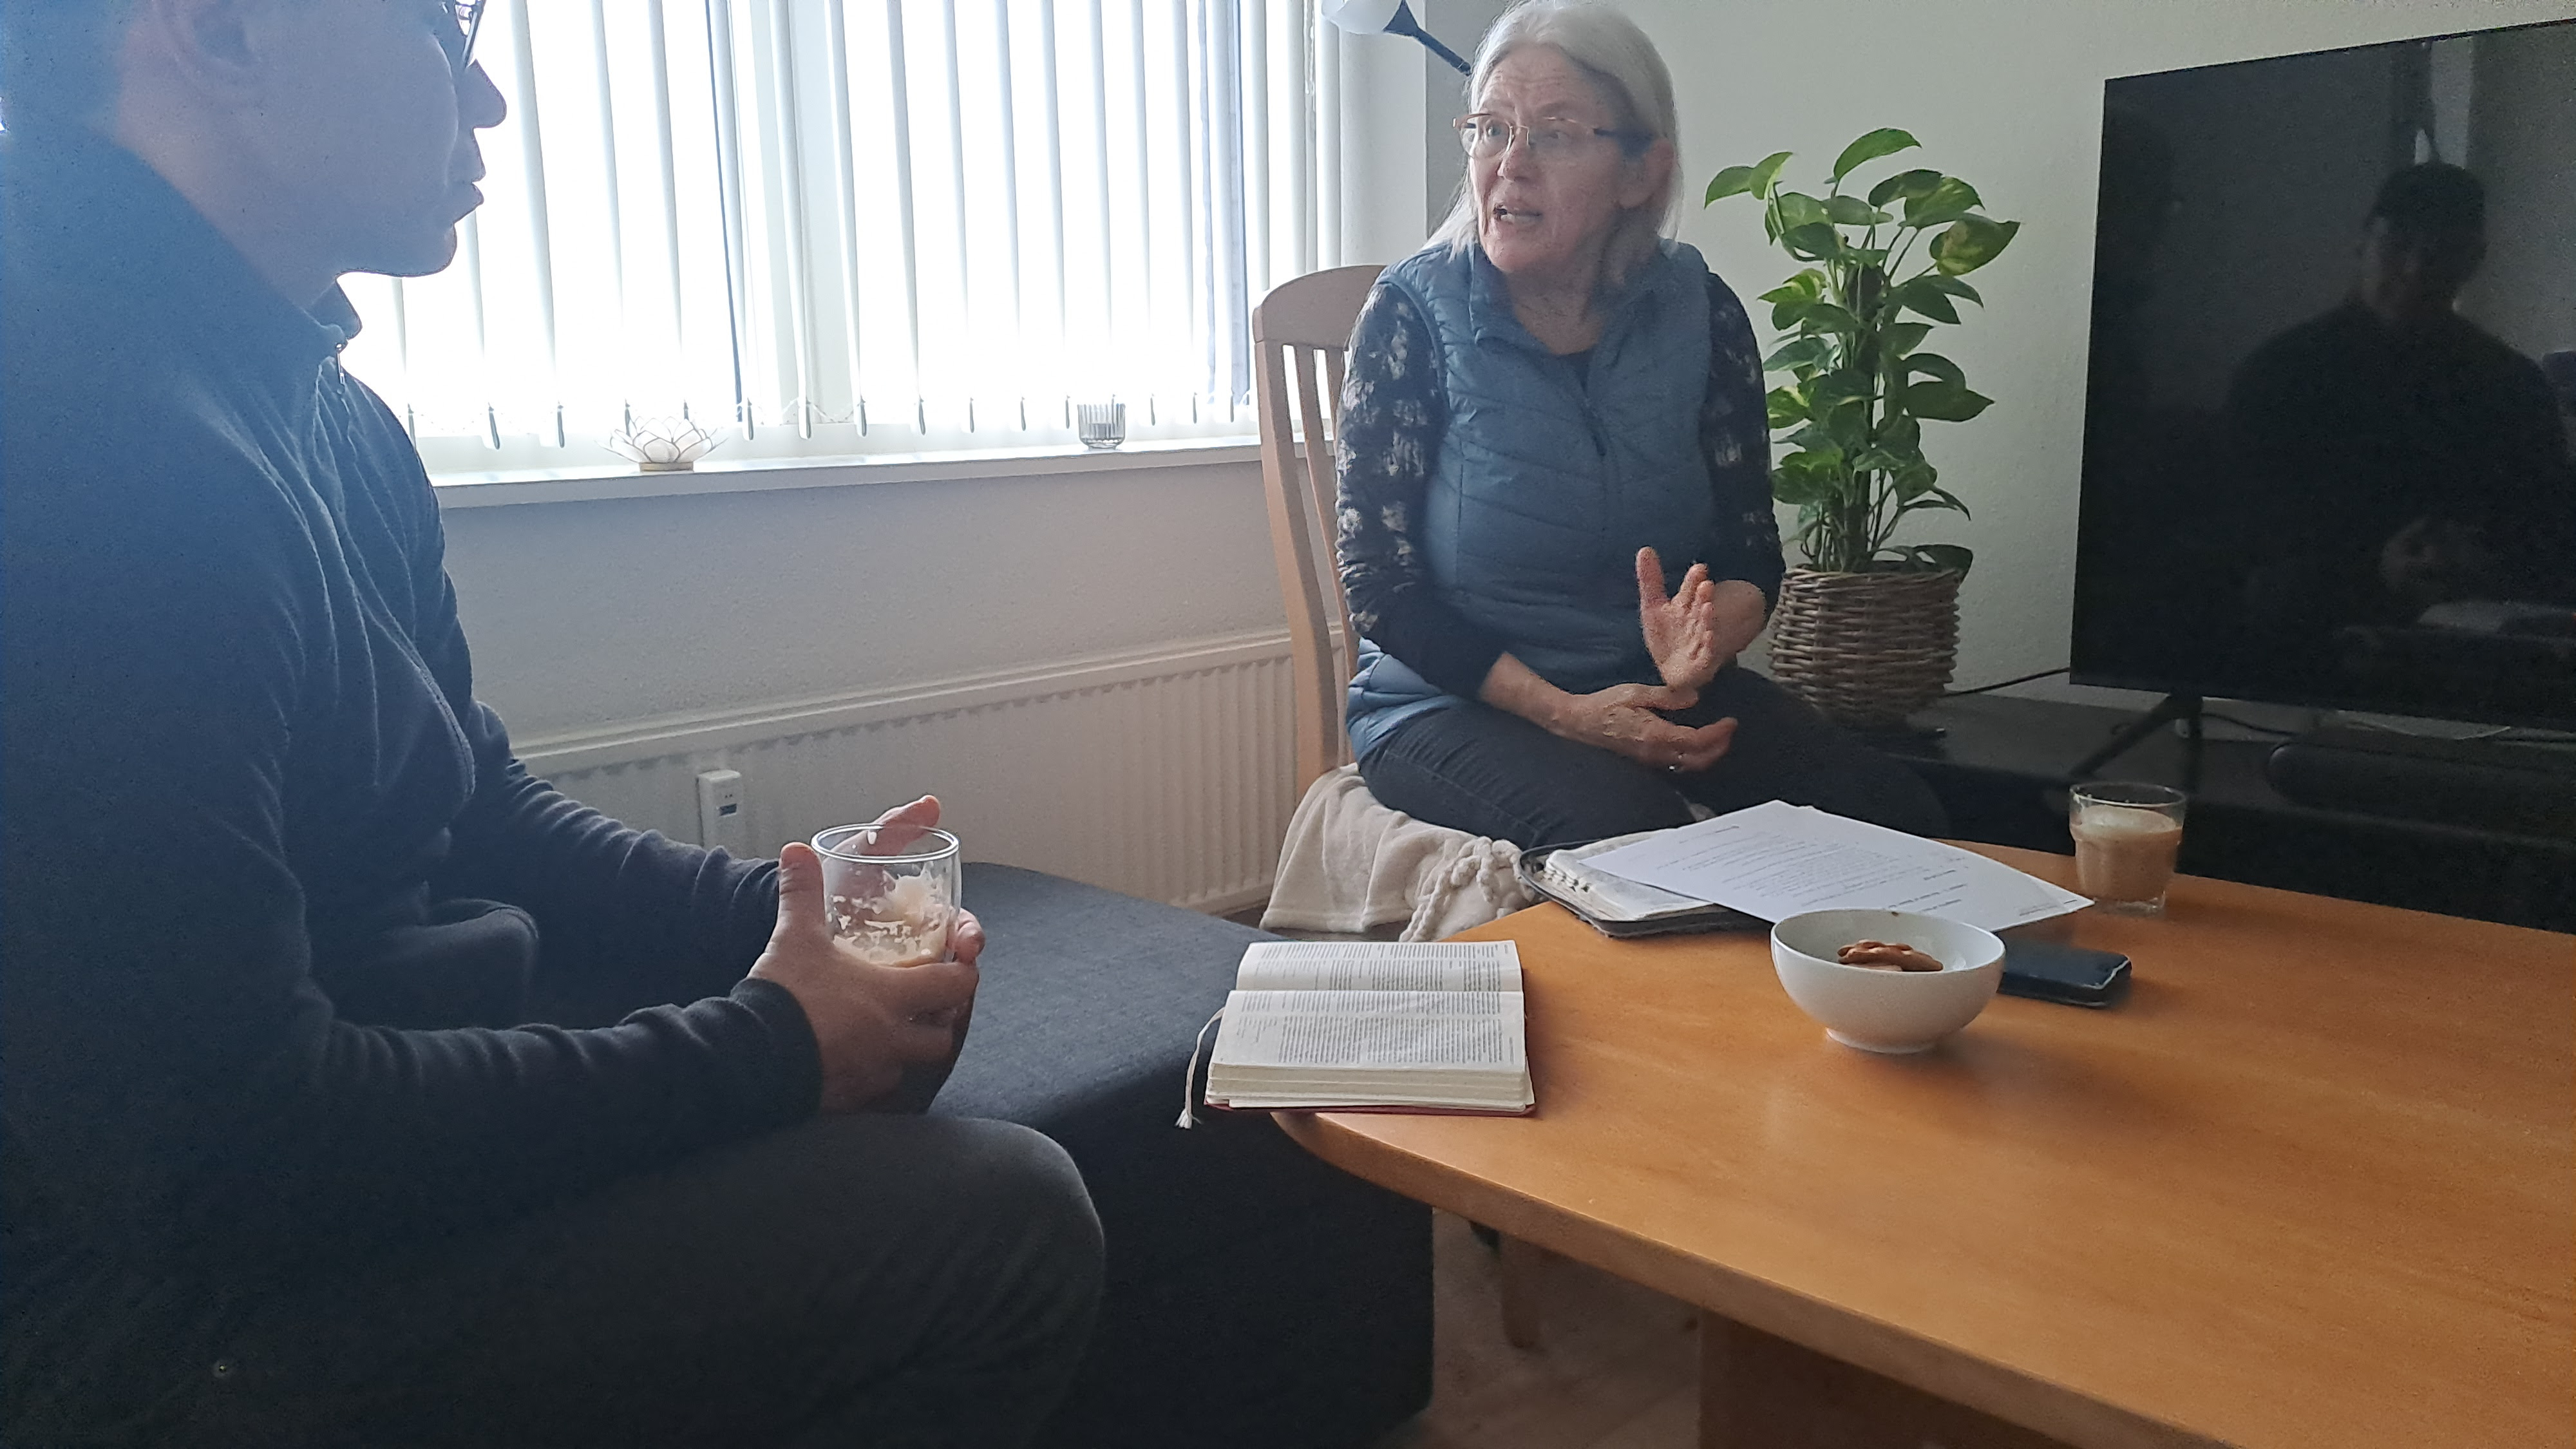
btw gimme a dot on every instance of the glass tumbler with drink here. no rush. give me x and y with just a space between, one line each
2126 838
890 891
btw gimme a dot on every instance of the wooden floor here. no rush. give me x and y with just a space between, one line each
1617 1366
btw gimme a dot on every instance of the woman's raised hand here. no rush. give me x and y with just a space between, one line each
1681 629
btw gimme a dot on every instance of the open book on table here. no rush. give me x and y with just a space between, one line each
1365 1024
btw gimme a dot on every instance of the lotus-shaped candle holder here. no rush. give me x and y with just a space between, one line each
663 445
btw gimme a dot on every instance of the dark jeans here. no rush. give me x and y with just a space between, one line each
859 1281
1475 768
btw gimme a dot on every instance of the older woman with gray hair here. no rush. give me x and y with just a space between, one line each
1555 524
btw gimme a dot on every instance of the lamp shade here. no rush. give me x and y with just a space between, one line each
1387 17
1362 17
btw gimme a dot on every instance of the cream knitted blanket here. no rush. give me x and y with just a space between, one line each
1351 865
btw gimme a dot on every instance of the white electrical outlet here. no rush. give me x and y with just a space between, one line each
720 809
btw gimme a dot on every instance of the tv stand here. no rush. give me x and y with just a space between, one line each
2002 771
2481 784
2183 707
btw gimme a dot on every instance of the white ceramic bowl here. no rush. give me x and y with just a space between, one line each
1887 1011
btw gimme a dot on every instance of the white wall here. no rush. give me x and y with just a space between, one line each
589 614
1383 80
586 614
1461 25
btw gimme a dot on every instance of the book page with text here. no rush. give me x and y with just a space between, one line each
1376 1030
1379 966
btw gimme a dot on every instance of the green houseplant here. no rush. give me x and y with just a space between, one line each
1869 629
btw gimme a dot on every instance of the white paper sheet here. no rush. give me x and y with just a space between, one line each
1777 860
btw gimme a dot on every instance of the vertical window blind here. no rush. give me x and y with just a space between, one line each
838 226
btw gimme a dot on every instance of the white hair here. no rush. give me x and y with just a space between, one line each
1623 66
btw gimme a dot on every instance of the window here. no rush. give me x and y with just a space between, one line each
843 226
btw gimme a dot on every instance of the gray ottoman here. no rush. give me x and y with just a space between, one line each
1257 1297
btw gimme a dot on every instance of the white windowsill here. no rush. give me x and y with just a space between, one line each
591 482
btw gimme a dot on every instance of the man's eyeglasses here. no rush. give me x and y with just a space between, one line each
457 39
1549 138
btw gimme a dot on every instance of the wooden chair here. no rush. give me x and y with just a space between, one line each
1301 338
1301 334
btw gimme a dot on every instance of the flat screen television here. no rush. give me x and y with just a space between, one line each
2333 381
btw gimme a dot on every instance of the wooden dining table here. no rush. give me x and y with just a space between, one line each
2311 1186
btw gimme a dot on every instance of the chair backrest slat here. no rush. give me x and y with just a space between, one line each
1302 330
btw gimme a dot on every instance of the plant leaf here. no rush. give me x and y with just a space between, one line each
1807 286
1949 286
1970 243
1949 201
1847 423
1798 209
1816 241
1800 486
1877 460
1804 352
1809 477
1903 337
1904 183
1949 557
1901 434
1886 141
1929 301
1852 211
1840 385
1945 402
1784 406
1934 365
1733 181
1826 317
1766 171
1789 316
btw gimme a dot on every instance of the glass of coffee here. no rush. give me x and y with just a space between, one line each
2126 838
890 891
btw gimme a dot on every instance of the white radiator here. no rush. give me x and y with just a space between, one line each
1163 773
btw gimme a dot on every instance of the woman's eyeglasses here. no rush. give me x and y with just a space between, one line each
1549 138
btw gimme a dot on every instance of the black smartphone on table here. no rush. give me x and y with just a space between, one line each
2054 971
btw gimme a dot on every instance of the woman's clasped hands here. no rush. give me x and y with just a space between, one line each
1626 719
1693 632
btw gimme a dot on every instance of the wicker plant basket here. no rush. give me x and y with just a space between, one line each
1866 649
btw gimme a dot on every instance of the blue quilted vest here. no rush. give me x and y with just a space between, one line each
1552 473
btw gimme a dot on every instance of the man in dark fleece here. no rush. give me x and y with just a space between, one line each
2392 453
284 1162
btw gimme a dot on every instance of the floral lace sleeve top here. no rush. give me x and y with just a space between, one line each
1394 409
